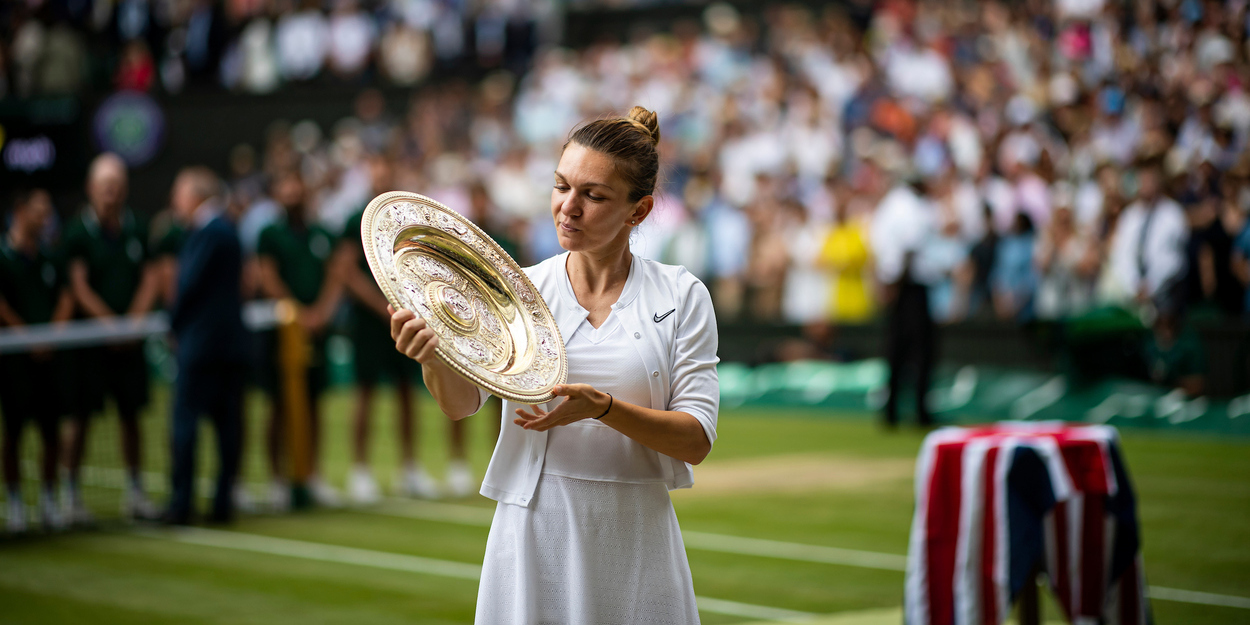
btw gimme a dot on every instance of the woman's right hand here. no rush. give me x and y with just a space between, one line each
456 396
413 337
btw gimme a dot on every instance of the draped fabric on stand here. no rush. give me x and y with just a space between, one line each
995 504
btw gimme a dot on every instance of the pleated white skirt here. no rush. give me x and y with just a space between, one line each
587 553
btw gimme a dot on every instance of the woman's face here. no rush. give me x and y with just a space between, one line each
590 203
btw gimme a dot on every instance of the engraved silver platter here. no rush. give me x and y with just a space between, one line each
493 326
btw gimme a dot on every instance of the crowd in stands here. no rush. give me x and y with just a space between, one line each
1070 155
1025 123
1022 161
65 47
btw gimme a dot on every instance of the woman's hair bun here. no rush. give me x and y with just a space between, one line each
649 120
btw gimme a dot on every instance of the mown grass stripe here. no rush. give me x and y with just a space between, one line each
316 551
336 554
469 515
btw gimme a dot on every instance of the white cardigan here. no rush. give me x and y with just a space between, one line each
679 351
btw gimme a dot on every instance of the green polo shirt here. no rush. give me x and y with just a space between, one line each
167 237
301 255
1183 358
351 236
31 285
115 260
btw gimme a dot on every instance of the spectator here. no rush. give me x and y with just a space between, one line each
32 291
846 256
1014 277
944 255
1210 284
1146 256
351 35
302 40
903 222
1065 284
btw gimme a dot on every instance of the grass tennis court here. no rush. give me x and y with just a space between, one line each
794 514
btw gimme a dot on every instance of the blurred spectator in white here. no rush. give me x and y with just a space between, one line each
944 255
302 40
404 54
1147 254
1093 195
730 232
515 191
260 72
1065 284
351 36
1115 132
806 296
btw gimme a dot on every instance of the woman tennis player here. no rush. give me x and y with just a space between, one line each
584 531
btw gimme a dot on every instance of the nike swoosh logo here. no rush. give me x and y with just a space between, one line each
658 317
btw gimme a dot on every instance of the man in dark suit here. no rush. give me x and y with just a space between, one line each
211 342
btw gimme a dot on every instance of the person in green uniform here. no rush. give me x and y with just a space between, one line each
376 360
1174 356
166 236
294 254
110 276
32 291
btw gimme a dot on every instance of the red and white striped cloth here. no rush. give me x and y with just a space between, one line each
993 503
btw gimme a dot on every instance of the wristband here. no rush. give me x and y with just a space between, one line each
605 412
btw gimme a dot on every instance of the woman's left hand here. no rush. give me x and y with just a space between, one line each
582 402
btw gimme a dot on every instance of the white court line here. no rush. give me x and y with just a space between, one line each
322 552
254 543
469 515
1193 596
793 551
747 610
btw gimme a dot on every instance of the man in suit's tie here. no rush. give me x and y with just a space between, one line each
211 342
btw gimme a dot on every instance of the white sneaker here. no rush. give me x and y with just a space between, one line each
279 496
415 482
50 513
75 508
135 506
362 488
15 516
243 501
323 494
460 482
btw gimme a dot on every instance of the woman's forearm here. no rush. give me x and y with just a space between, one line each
456 396
672 433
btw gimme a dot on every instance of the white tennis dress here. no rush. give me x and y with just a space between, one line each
598 542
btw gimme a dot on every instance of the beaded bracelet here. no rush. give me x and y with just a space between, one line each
605 412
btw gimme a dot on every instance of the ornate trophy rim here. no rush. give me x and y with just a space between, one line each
399 225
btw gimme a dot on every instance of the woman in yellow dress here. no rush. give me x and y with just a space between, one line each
846 255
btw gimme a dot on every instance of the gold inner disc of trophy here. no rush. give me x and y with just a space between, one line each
453 307
471 297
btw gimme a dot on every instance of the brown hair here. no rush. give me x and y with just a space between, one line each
631 142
